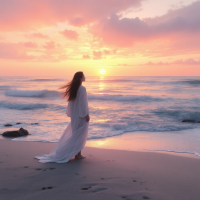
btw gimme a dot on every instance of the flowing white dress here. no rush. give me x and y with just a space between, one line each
74 136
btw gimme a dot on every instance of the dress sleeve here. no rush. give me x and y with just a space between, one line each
68 110
83 103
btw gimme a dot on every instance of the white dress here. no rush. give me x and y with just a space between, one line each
74 136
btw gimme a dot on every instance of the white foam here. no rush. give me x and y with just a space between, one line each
22 106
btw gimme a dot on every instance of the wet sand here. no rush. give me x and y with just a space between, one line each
104 174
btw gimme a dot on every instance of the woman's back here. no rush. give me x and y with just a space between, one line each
74 136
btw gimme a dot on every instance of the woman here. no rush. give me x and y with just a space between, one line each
74 136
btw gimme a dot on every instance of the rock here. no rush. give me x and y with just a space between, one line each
18 123
23 131
34 123
20 132
188 120
8 125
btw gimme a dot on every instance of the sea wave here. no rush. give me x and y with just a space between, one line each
189 82
130 98
45 80
122 81
101 97
22 106
177 114
31 93
4 87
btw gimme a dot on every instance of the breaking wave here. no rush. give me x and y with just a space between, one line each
22 106
32 93
130 98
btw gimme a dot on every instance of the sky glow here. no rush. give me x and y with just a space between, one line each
125 37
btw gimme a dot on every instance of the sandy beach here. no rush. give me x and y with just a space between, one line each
104 174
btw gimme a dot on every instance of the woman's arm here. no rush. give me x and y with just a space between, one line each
87 118
83 104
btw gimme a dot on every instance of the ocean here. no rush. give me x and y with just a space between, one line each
145 106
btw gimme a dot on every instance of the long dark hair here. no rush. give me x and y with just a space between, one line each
71 88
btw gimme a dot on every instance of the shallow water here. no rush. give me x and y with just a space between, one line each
118 105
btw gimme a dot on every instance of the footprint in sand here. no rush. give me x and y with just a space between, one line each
51 168
145 197
38 168
98 190
125 197
50 187
89 186
44 169
86 188
94 190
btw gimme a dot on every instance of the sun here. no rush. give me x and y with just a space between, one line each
102 71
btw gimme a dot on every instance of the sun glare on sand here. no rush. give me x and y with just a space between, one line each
102 71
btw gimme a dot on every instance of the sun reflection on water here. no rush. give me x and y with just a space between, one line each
101 83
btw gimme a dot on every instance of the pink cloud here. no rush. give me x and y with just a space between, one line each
86 57
72 35
30 45
126 32
189 61
188 13
20 52
37 35
24 15
14 51
51 45
106 52
97 55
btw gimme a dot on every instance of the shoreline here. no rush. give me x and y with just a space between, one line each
132 141
104 174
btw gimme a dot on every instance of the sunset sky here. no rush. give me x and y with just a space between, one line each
124 37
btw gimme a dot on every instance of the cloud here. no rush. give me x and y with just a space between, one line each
37 35
126 32
97 55
14 51
30 45
189 61
72 35
86 57
106 52
20 52
21 15
189 13
51 45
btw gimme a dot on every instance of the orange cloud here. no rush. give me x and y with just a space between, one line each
86 57
72 35
24 15
189 61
